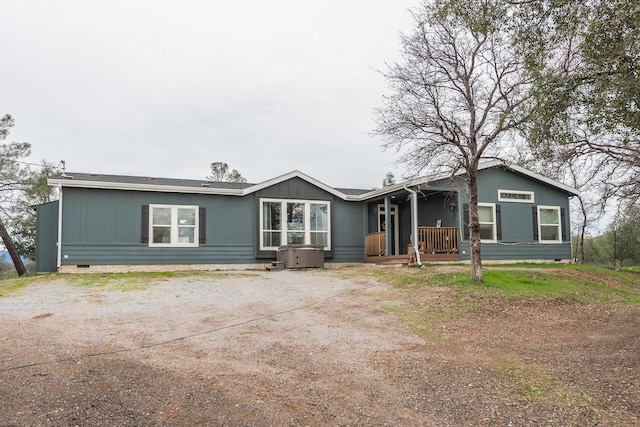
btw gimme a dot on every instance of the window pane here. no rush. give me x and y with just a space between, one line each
549 232
271 216
295 216
271 238
295 238
485 213
186 217
319 239
186 234
319 217
161 216
486 231
549 216
161 234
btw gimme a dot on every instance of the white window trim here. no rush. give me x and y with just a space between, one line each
505 199
174 227
559 240
307 221
495 228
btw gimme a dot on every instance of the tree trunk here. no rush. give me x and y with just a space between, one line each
474 228
582 229
15 257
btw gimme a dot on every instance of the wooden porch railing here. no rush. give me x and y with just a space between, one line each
439 240
375 243
433 240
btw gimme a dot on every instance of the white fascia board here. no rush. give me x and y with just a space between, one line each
144 187
295 174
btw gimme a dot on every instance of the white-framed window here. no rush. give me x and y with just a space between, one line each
549 224
516 196
173 225
292 222
487 219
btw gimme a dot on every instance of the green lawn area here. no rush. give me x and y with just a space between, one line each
584 284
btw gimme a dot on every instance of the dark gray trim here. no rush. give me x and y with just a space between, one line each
144 231
534 216
202 225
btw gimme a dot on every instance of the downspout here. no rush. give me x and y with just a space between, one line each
59 227
414 224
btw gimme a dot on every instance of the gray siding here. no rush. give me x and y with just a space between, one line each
104 227
47 237
533 251
347 240
295 188
346 233
517 218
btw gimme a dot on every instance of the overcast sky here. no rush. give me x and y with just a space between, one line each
163 88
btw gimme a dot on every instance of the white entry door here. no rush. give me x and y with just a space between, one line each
393 229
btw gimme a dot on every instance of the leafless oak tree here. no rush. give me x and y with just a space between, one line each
457 94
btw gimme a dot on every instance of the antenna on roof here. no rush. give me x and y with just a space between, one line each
64 167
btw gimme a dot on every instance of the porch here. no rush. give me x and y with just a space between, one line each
435 244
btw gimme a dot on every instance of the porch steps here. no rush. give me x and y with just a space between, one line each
276 266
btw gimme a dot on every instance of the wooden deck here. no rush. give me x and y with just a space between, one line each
436 244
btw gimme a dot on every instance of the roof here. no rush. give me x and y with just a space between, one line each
174 185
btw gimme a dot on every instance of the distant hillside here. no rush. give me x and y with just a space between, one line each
6 258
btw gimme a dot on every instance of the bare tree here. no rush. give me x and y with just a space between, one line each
457 94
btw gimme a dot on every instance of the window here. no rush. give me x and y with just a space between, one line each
294 222
549 228
487 219
173 225
515 196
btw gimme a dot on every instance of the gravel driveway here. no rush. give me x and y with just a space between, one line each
309 348
238 349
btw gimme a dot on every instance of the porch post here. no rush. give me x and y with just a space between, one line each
387 227
415 238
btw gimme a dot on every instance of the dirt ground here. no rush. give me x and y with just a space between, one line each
308 348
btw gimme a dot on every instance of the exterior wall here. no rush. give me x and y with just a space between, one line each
516 218
104 227
47 237
347 240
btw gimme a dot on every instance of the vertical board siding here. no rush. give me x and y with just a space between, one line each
47 237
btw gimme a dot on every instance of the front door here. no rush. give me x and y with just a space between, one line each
393 229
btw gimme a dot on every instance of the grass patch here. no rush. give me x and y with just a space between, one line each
128 282
124 282
12 286
602 286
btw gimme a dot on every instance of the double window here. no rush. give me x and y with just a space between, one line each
290 222
549 224
173 225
